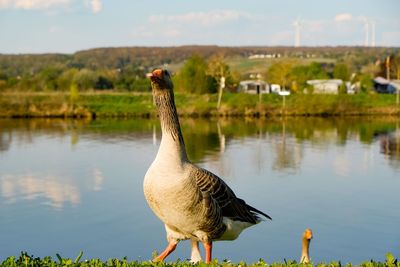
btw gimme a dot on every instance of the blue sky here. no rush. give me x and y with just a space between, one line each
66 26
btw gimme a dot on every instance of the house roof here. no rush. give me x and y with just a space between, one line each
322 81
395 84
380 80
251 82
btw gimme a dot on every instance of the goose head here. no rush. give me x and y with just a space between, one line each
161 80
307 234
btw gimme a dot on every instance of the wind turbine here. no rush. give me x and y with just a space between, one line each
366 27
372 33
297 26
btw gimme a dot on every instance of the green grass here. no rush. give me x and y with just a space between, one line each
248 66
141 105
26 260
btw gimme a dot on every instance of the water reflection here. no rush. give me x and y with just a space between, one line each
390 147
5 141
30 187
288 152
210 138
98 180
206 141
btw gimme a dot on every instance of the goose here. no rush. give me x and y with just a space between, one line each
305 245
192 202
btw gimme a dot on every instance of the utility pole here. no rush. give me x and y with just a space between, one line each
221 88
259 89
388 78
388 68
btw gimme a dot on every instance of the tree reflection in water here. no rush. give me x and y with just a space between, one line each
390 147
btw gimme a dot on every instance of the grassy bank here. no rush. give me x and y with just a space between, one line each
26 260
141 105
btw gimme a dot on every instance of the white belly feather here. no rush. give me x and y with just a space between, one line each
233 228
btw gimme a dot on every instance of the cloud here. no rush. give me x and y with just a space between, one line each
343 17
95 6
168 32
184 28
33 4
203 18
172 33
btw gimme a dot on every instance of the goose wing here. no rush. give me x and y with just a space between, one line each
230 205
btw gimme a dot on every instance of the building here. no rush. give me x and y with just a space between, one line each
326 86
383 86
254 87
275 88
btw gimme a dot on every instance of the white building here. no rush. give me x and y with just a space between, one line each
254 87
326 86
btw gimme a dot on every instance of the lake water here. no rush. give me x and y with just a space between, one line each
71 185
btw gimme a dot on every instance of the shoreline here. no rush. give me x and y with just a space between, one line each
131 105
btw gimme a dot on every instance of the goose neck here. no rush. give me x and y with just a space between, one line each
172 139
305 257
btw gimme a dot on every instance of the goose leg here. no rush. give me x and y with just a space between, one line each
171 247
208 249
195 256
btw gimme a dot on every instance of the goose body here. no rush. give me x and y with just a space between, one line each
192 202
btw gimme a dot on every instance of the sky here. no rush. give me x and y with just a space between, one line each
67 26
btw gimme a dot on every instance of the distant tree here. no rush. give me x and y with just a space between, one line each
73 93
365 78
47 78
66 78
3 81
140 85
370 70
219 70
85 79
341 71
132 78
3 76
366 83
103 83
393 65
317 71
280 73
300 74
193 77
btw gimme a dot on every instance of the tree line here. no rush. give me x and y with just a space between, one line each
200 68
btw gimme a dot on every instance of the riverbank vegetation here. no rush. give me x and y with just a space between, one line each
111 104
27 260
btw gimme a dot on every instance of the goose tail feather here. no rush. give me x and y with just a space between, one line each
257 213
